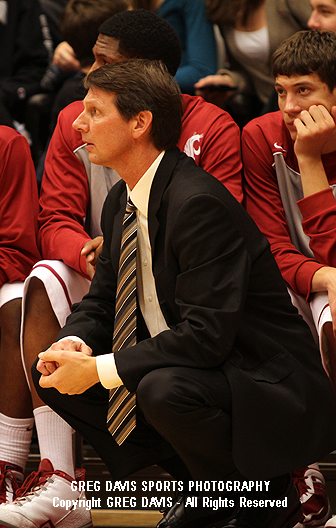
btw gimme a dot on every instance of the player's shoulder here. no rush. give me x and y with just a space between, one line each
11 139
270 129
269 124
196 107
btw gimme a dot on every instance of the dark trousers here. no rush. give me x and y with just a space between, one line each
183 424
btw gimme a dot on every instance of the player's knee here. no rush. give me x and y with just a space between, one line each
10 321
36 296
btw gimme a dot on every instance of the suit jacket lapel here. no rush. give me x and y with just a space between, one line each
160 182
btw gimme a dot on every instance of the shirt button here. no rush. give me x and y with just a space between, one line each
149 298
145 262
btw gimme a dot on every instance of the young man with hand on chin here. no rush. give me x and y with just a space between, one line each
289 165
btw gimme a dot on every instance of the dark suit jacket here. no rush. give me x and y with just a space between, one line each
227 308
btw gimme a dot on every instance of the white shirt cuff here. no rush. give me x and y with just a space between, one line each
107 371
73 338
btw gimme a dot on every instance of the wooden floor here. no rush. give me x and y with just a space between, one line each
125 519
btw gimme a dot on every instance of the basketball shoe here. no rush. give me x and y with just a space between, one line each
47 500
315 505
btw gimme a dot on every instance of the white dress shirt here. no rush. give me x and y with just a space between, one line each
146 290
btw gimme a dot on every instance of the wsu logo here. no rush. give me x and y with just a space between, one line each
193 146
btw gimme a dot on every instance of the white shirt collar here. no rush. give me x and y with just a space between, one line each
140 193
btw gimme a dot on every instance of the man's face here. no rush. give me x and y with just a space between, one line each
107 134
106 52
323 15
299 93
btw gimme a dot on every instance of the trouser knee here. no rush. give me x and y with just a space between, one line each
160 398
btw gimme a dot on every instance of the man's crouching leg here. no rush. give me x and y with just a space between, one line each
191 409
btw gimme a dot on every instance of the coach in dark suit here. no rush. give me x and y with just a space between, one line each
225 371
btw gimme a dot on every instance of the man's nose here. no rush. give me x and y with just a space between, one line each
79 123
313 22
292 105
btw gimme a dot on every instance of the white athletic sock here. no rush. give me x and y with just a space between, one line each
15 438
55 439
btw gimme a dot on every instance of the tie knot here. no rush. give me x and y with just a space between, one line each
130 207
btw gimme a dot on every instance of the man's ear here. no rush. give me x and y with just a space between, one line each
142 123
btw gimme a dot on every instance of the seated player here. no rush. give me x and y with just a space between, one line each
18 253
289 164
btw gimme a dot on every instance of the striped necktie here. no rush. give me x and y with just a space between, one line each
121 409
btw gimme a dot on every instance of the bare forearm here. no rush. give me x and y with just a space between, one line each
324 279
313 176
